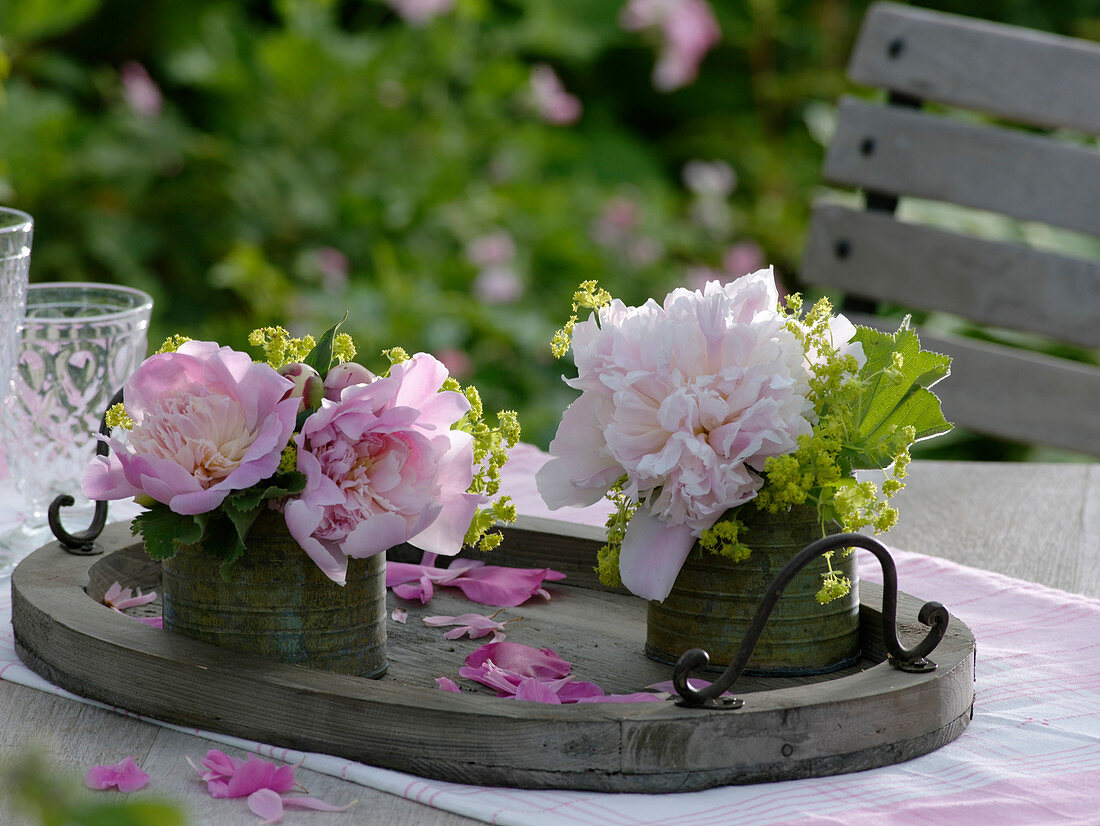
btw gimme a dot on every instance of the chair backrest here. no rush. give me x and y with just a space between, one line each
1039 81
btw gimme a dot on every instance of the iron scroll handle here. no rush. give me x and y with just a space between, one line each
83 543
906 659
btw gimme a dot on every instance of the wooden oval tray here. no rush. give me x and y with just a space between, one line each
866 716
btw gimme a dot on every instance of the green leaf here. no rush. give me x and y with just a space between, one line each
164 530
896 395
320 357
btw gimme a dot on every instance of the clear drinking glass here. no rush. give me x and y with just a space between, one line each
79 344
16 231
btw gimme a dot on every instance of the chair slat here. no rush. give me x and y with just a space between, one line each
1001 284
1014 394
905 152
1027 76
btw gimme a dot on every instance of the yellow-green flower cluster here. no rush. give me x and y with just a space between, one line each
587 296
172 343
279 347
491 446
607 557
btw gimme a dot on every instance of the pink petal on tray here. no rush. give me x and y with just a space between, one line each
534 691
523 660
506 587
125 776
267 804
447 684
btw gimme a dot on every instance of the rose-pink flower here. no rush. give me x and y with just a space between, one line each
688 400
688 30
383 467
207 421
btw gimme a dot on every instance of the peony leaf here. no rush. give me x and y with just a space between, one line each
320 357
164 530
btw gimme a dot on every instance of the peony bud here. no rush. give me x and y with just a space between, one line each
344 375
307 385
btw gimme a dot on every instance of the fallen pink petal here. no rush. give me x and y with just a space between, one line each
523 660
126 776
267 804
447 684
155 622
473 625
508 667
312 803
532 691
400 615
488 584
120 598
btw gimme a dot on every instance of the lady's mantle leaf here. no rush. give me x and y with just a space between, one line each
899 374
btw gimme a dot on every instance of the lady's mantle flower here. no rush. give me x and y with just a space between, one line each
383 467
687 400
207 421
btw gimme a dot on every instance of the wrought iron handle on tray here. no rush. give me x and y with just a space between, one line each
907 659
83 543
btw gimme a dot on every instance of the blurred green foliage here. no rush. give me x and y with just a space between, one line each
30 785
251 162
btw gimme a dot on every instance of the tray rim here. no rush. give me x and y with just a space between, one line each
649 747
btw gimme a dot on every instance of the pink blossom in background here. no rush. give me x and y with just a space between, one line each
552 102
710 178
457 362
125 776
498 285
207 421
139 90
617 222
420 12
688 30
333 266
696 278
743 257
383 467
688 399
492 249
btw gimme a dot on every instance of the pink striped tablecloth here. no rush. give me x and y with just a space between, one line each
1030 756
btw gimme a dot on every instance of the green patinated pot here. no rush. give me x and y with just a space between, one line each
279 605
714 600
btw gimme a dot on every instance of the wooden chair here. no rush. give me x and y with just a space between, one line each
1039 81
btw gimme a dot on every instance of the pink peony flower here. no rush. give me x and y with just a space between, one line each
688 400
207 421
688 31
383 467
